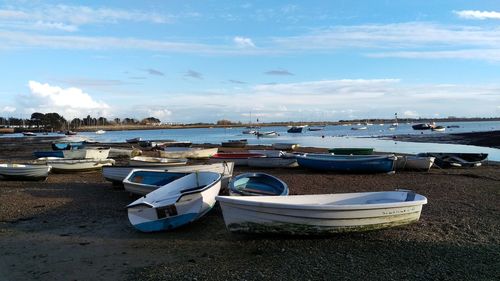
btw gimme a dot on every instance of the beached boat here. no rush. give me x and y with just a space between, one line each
404 162
295 129
134 140
70 133
438 129
285 146
100 132
423 126
118 174
235 143
188 152
142 182
24 172
67 145
239 159
123 152
257 184
87 153
321 214
175 204
450 159
270 134
155 161
348 163
164 143
351 150
48 153
249 132
267 152
29 134
273 162
78 165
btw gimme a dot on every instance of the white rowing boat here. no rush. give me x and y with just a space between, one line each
155 161
188 152
87 153
24 172
78 165
321 214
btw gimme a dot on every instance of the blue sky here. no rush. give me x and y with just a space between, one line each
192 61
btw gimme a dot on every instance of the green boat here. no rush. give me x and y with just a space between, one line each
351 151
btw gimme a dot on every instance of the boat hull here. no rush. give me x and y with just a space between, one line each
85 165
190 153
351 151
272 162
257 184
285 146
414 163
239 159
87 153
302 220
348 163
24 172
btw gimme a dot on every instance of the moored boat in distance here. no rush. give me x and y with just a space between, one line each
351 150
29 134
423 126
321 214
295 129
134 140
348 163
257 184
24 172
100 132
438 128
175 204
270 134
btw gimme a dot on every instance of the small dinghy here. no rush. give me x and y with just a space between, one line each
285 146
134 140
118 174
321 214
239 159
87 153
348 163
143 182
29 134
67 145
24 172
351 151
175 204
295 129
188 152
419 163
123 152
257 184
447 160
78 165
270 134
438 129
144 161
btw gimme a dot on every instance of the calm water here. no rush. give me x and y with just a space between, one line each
331 136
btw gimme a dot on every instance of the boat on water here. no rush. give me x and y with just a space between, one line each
65 145
134 140
257 184
423 126
321 214
87 153
61 165
70 133
239 159
175 204
29 134
270 134
24 172
249 132
411 162
313 129
100 132
235 143
351 150
155 161
48 153
348 163
452 126
450 159
164 143
438 129
295 129
285 146
359 128
117 174
188 152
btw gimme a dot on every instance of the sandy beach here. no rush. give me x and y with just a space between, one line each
75 227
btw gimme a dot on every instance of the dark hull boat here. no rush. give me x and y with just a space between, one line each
348 163
295 129
424 126
351 151
447 160
235 143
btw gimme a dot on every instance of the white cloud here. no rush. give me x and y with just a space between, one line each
8 109
243 42
410 114
477 15
70 102
162 114
474 54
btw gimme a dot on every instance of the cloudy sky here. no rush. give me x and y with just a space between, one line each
192 61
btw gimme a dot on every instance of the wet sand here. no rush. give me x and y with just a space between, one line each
75 227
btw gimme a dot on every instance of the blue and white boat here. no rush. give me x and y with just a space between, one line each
175 204
48 153
348 163
67 145
257 184
142 182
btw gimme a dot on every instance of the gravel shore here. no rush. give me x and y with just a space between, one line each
75 227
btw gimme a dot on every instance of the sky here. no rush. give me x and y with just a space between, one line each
203 61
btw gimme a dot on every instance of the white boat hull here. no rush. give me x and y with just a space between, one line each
190 153
273 215
154 161
84 165
24 172
122 152
87 153
272 162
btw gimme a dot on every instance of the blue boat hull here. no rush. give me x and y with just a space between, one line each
166 223
257 184
57 153
338 164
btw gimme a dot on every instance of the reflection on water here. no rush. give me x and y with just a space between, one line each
331 136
